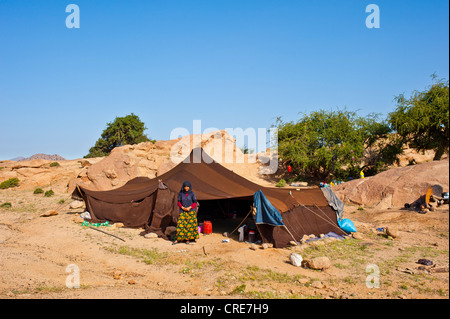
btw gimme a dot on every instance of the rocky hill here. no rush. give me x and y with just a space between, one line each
54 157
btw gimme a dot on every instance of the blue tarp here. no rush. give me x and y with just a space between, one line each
266 213
328 235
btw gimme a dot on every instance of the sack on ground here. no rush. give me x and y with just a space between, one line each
347 225
296 259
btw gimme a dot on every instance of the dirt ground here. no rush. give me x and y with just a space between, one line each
40 258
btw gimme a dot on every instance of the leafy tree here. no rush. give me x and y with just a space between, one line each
422 121
122 131
328 142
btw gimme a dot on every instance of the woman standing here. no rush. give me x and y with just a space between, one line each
187 226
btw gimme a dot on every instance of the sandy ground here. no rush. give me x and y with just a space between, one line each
41 256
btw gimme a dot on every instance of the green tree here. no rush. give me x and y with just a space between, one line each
422 121
328 142
122 131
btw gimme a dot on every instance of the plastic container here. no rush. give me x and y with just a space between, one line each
207 227
251 236
241 233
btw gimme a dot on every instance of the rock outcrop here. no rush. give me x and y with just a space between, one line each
395 187
39 173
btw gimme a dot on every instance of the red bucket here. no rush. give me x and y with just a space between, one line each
207 227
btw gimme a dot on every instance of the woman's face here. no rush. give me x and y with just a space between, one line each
186 188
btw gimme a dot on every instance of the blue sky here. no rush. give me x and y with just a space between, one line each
228 63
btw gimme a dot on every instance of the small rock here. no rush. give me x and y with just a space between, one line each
391 231
50 213
304 238
266 245
116 275
253 247
76 204
132 282
321 263
118 225
293 243
303 281
85 163
317 284
151 235
357 236
78 220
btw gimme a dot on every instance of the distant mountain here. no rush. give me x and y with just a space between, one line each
54 157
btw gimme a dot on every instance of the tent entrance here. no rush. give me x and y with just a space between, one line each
225 214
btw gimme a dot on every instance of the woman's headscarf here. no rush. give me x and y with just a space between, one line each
186 183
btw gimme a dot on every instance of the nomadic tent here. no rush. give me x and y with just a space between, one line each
281 215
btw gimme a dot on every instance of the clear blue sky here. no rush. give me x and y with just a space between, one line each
228 63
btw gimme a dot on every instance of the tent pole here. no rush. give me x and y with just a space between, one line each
289 233
242 221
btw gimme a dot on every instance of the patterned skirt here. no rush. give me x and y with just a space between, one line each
187 226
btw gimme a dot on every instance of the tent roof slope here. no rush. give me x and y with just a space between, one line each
210 180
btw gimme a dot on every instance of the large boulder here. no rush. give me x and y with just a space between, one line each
395 187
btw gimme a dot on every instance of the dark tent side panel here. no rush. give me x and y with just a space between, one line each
165 213
132 214
301 220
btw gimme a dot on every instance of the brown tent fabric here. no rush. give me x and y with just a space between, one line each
299 221
152 203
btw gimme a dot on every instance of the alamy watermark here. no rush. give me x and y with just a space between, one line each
373 280
222 150
373 19
73 19
73 279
